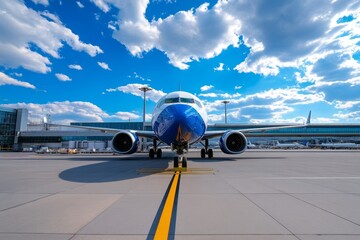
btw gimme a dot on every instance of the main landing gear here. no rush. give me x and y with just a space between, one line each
155 151
206 150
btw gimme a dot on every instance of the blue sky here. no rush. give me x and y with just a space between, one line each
273 60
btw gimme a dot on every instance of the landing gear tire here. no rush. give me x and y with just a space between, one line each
151 153
158 153
210 153
184 162
203 153
176 162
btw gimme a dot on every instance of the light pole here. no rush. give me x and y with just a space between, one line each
144 89
225 102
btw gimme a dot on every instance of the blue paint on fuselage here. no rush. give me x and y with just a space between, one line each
178 124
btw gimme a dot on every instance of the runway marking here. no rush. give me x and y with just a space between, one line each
162 231
173 170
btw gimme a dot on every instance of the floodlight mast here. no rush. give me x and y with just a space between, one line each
225 102
144 89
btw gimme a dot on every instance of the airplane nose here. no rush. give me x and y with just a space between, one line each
179 123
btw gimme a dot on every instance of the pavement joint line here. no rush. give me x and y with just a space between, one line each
163 228
323 209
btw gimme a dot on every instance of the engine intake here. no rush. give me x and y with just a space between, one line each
233 142
125 142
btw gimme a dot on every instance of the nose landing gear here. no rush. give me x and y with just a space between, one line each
181 159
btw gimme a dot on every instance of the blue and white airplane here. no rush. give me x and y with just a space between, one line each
180 120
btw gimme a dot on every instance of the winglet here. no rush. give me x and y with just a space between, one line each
308 118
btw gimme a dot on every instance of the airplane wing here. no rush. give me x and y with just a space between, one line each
139 133
213 134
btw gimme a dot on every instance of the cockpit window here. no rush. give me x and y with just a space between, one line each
176 100
171 100
187 100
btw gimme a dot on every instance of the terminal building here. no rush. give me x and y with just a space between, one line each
16 134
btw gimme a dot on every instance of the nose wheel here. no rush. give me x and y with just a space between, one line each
183 160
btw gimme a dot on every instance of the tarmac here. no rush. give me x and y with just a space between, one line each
260 194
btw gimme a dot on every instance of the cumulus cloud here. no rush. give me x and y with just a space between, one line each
266 106
104 66
67 111
126 116
23 28
220 67
62 77
80 4
43 2
6 80
200 32
206 88
220 95
297 34
75 66
64 112
133 88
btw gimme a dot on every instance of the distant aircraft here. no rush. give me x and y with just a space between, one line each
288 145
180 120
343 145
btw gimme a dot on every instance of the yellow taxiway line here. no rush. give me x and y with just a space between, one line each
163 228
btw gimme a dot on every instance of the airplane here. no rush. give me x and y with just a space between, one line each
342 145
288 145
179 120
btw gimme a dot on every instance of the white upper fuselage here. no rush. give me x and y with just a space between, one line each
179 118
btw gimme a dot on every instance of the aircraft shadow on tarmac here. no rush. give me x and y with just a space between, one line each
111 171
119 168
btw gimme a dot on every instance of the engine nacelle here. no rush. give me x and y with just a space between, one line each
125 142
233 142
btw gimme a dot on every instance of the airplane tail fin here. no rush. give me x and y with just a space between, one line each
308 118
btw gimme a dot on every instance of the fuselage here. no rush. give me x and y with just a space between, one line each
179 118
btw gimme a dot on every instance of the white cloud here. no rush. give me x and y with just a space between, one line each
63 112
75 66
154 95
265 66
220 95
126 116
220 67
43 2
6 80
104 66
66 112
266 106
62 77
209 95
237 87
80 4
22 27
188 29
102 5
206 88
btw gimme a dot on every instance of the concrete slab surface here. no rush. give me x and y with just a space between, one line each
272 194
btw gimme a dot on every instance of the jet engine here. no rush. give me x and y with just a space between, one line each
233 142
125 142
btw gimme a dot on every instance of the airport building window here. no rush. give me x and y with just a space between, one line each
7 128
